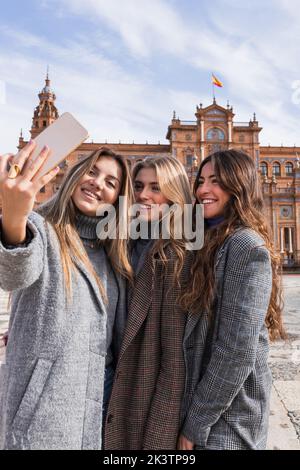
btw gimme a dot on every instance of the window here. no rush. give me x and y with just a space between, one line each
288 168
264 169
189 160
45 123
215 134
276 169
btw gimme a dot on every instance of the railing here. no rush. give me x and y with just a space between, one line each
188 123
266 189
240 124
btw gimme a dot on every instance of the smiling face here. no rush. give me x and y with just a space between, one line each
210 194
148 194
100 186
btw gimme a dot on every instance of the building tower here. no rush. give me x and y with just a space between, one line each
46 112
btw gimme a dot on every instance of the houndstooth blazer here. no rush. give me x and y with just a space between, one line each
228 381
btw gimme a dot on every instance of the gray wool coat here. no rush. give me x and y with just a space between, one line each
51 386
228 381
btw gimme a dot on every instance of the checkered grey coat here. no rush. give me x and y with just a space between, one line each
144 409
228 382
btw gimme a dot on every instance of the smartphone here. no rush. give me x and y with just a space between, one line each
63 136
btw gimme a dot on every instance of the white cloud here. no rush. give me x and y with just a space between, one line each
257 64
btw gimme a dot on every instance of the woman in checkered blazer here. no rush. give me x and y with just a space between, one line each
234 301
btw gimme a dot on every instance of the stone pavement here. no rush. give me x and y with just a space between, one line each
284 431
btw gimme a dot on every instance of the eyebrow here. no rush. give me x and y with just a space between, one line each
141 182
211 176
108 176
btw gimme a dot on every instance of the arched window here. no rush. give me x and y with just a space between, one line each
215 134
289 168
276 169
264 169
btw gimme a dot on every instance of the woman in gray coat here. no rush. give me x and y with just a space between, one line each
234 304
63 290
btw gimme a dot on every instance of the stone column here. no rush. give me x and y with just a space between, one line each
290 241
229 132
282 240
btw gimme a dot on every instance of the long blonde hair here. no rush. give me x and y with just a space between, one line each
60 212
174 186
237 175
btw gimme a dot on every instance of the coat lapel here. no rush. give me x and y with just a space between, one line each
92 283
139 303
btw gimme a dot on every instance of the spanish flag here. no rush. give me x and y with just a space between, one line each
215 81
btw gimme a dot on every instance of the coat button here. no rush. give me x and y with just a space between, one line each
110 419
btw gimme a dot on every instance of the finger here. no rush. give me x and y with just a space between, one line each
22 156
31 167
4 160
41 182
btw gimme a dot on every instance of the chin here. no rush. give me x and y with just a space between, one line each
86 209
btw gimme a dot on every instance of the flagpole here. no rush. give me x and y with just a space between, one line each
213 90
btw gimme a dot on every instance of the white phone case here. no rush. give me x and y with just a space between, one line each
62 137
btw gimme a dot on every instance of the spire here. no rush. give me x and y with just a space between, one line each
46 112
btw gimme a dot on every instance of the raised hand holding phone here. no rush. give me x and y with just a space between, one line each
18 189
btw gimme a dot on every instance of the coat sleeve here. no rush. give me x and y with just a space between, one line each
246 292
20 267
162 427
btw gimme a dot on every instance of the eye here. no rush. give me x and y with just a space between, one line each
92 172
138 187
111 184
215 182
155 189
200 182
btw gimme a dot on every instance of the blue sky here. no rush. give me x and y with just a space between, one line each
123 66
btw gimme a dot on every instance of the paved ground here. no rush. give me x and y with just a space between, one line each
284 433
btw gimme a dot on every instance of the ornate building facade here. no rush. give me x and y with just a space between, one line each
214 128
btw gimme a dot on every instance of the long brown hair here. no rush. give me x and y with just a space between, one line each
174 186
60 212
236 174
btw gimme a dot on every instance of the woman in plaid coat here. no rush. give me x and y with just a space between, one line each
144 409
234 304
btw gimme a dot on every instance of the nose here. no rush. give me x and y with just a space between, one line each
144 194
203 188
98 183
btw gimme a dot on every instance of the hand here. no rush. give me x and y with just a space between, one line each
18 194
184 444
5 338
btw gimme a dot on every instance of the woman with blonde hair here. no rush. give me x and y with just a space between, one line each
144 409
234 302
67 294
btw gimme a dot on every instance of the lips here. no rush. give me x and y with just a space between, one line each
90 194
145 207
208 201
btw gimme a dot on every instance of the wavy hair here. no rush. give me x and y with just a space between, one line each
236 174
174 186
60 212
